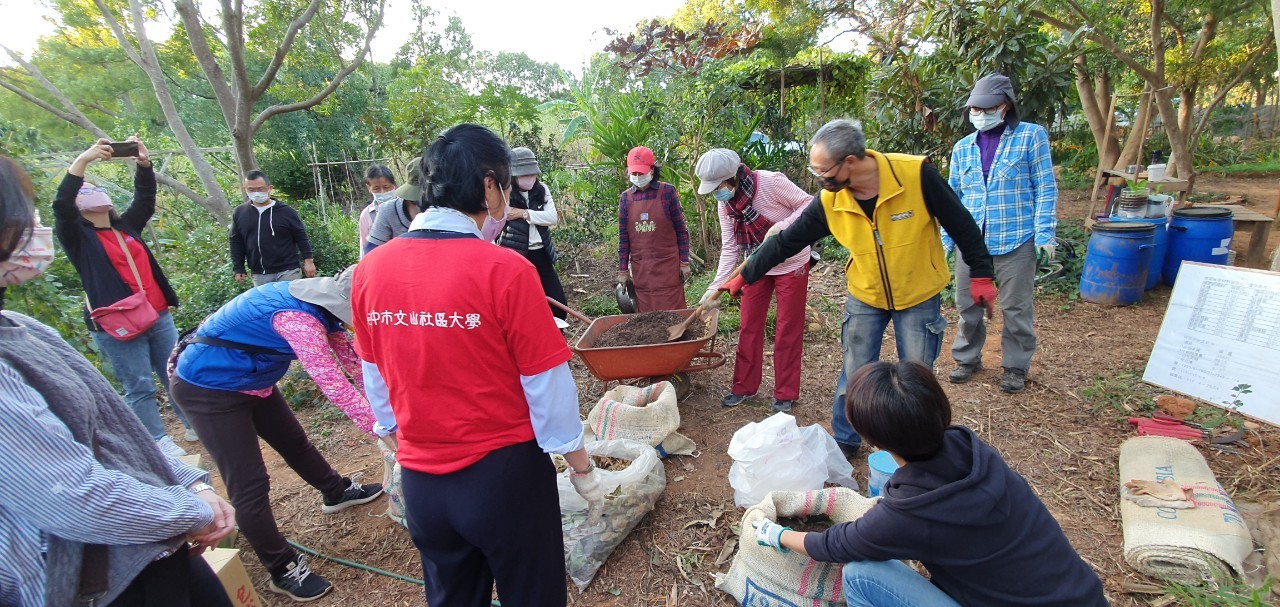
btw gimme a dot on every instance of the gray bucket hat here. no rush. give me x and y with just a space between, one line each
412 189
331 293
523 163
714 167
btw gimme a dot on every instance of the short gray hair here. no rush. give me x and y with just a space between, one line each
841 138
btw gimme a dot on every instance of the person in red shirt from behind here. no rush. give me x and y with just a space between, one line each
479 490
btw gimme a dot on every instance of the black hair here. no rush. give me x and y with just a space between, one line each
379 171
256 174
657 176
17 215
455 166
899 407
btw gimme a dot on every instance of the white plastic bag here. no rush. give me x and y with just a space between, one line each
630 493
777 455
391 483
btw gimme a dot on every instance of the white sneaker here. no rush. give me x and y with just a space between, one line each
168 447
191 435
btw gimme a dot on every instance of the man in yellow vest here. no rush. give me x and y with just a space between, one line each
886 209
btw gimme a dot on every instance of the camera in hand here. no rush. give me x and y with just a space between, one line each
124 149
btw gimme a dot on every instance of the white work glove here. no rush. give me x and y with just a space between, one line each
773 231
1047 252
589 487
710 300
769 533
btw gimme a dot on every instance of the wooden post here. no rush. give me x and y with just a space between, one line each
1106 135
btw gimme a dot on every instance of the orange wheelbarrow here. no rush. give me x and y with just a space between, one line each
657 362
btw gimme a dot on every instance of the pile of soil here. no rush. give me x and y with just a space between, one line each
647 329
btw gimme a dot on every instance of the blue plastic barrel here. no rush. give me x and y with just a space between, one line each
1197 234
1115 266
1156 265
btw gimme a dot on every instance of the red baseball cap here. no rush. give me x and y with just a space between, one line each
640 159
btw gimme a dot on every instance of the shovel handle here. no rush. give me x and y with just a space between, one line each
572 312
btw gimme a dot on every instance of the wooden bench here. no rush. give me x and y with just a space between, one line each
1259 227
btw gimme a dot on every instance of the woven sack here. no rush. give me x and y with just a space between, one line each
391 483
761 576
1185 546
649 415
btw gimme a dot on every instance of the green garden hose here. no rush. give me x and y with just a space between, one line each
369 568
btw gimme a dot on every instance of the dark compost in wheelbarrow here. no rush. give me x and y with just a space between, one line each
647 329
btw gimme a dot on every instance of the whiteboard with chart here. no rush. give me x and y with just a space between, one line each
1220 339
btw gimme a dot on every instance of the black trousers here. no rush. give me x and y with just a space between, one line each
551 286
179 580
495 521
229 424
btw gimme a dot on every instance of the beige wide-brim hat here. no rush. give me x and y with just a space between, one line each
412 188
332 293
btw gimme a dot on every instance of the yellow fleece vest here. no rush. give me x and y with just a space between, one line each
905 264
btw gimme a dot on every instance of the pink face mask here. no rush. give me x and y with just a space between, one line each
92 198
526 183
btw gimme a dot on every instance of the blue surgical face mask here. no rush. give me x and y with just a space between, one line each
985 122
723 194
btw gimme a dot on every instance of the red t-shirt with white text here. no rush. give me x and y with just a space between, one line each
111 245
452 324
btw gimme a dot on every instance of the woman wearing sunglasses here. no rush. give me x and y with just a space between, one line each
107 251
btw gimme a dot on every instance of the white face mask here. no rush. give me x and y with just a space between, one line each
526 183
985 122
258 197
641 181
29 261
384 197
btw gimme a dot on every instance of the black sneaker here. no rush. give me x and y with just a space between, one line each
963 373
849 451
733 400
299 583
355 495
1013 381
782 406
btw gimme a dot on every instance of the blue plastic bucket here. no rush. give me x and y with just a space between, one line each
1115 266
1197 234
882 466
1156 265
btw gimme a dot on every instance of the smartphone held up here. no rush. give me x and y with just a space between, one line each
124 149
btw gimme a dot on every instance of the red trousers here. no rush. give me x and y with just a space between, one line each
788 341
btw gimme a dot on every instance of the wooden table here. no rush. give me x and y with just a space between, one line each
1259 227
1175 186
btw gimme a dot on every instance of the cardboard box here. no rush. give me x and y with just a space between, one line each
192 460
226 564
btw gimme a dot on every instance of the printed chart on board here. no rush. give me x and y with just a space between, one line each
1220 339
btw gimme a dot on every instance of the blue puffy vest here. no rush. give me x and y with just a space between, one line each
247 320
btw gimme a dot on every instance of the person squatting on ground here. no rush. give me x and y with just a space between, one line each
1003 173
381 184
394 217
953 504
530 217
754 205
107 251
92 512
268 235
886 210
480 493
225 381
653 242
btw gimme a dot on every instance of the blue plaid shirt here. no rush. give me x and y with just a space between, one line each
1019 199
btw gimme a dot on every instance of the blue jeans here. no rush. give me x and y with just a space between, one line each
890 584
134 362
917 330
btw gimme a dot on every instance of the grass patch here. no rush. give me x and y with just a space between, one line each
1238 595
1244 169
1122 394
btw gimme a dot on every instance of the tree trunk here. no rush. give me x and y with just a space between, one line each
1137 131
1095 99
1275 26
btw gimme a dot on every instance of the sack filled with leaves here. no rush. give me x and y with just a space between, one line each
647 414
761 575
633 478
391 483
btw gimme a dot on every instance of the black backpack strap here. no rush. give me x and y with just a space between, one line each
232 345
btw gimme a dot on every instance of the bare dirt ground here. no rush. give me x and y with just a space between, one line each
1064 446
